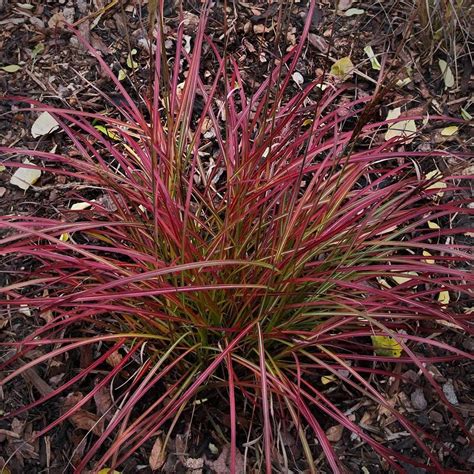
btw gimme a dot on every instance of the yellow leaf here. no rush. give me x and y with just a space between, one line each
107 132
403 82
443 297
130 61
107 470
325 379
373 59
342 67
447 74
386 346
402 128
427 254
437 184
433 225
11 68
448 131
122 75
399 279
64 237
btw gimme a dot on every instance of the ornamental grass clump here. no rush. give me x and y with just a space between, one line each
247 255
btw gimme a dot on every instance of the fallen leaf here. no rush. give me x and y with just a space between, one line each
43 125
80 206
318 42
437 184
103 401
107 470
354 11
448 131
157 456
114 359
325 379
85 420
11 68
107 132
403 82
402 128
428 260
342 67
334 434
373 59
447 74
465 114
64 237
399 279
432 225
386 346
443 297
23 178
131 63
298 78
38 49
122 75
56 20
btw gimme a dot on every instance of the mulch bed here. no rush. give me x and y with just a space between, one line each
54 68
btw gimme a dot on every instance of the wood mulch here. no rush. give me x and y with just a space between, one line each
54 68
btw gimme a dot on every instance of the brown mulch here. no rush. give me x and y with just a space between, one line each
54 68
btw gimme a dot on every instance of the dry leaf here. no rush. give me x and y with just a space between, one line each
80 206
43 125
298 78
122 75
103 401
342 67
354 11
449 131
443 297
325 379
373 59
318 42
157 456
386 346
114 359
131 63
25 177
11 68
428 260
437 184
400 279
334 434
85 420
402 128
447 74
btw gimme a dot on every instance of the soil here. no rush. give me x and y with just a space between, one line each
55 69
